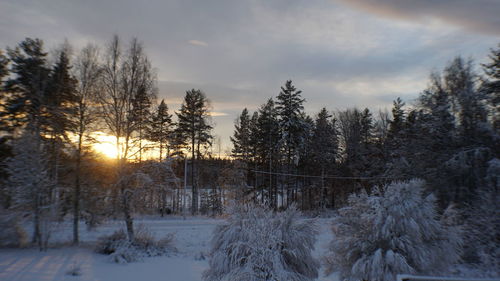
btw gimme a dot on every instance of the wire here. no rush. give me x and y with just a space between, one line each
328 176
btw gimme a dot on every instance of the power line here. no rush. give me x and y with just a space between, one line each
327 176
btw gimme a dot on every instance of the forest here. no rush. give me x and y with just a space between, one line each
435 156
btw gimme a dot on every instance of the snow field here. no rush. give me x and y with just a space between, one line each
192 240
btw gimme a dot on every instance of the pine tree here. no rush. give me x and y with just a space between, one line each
27 87
61 102
194 130
266 135
160 130
141 112
241 137
27 109
398 118
289 108
324 146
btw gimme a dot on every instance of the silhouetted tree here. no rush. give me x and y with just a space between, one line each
194 130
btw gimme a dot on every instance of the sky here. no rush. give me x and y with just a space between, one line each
340 53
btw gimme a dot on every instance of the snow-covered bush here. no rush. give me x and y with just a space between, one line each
395 230
11 233
122 250
257 244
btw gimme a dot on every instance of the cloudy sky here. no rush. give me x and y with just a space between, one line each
341 53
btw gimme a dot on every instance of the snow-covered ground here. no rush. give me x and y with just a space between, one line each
192 238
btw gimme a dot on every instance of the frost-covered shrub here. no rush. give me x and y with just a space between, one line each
257 244
122 250
107 244
395 230
11 233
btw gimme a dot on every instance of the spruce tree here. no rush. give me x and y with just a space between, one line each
289 107
27 87
324 147
61 102
241 137
160 129
398 116
141 114
267 136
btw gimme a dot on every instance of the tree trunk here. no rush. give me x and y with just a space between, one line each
194 188
127 215
76 199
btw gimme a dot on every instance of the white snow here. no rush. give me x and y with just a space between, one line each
192 237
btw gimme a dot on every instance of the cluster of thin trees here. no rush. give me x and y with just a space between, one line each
50 108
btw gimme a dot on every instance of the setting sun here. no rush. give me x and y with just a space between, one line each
105 145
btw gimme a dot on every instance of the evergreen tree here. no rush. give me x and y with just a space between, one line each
267 136
160 129
28 86
289 108
398 118
27 110
324 146
241 137
141 105
194 130
367 126
61 101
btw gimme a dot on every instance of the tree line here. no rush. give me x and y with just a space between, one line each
51 105
448 136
